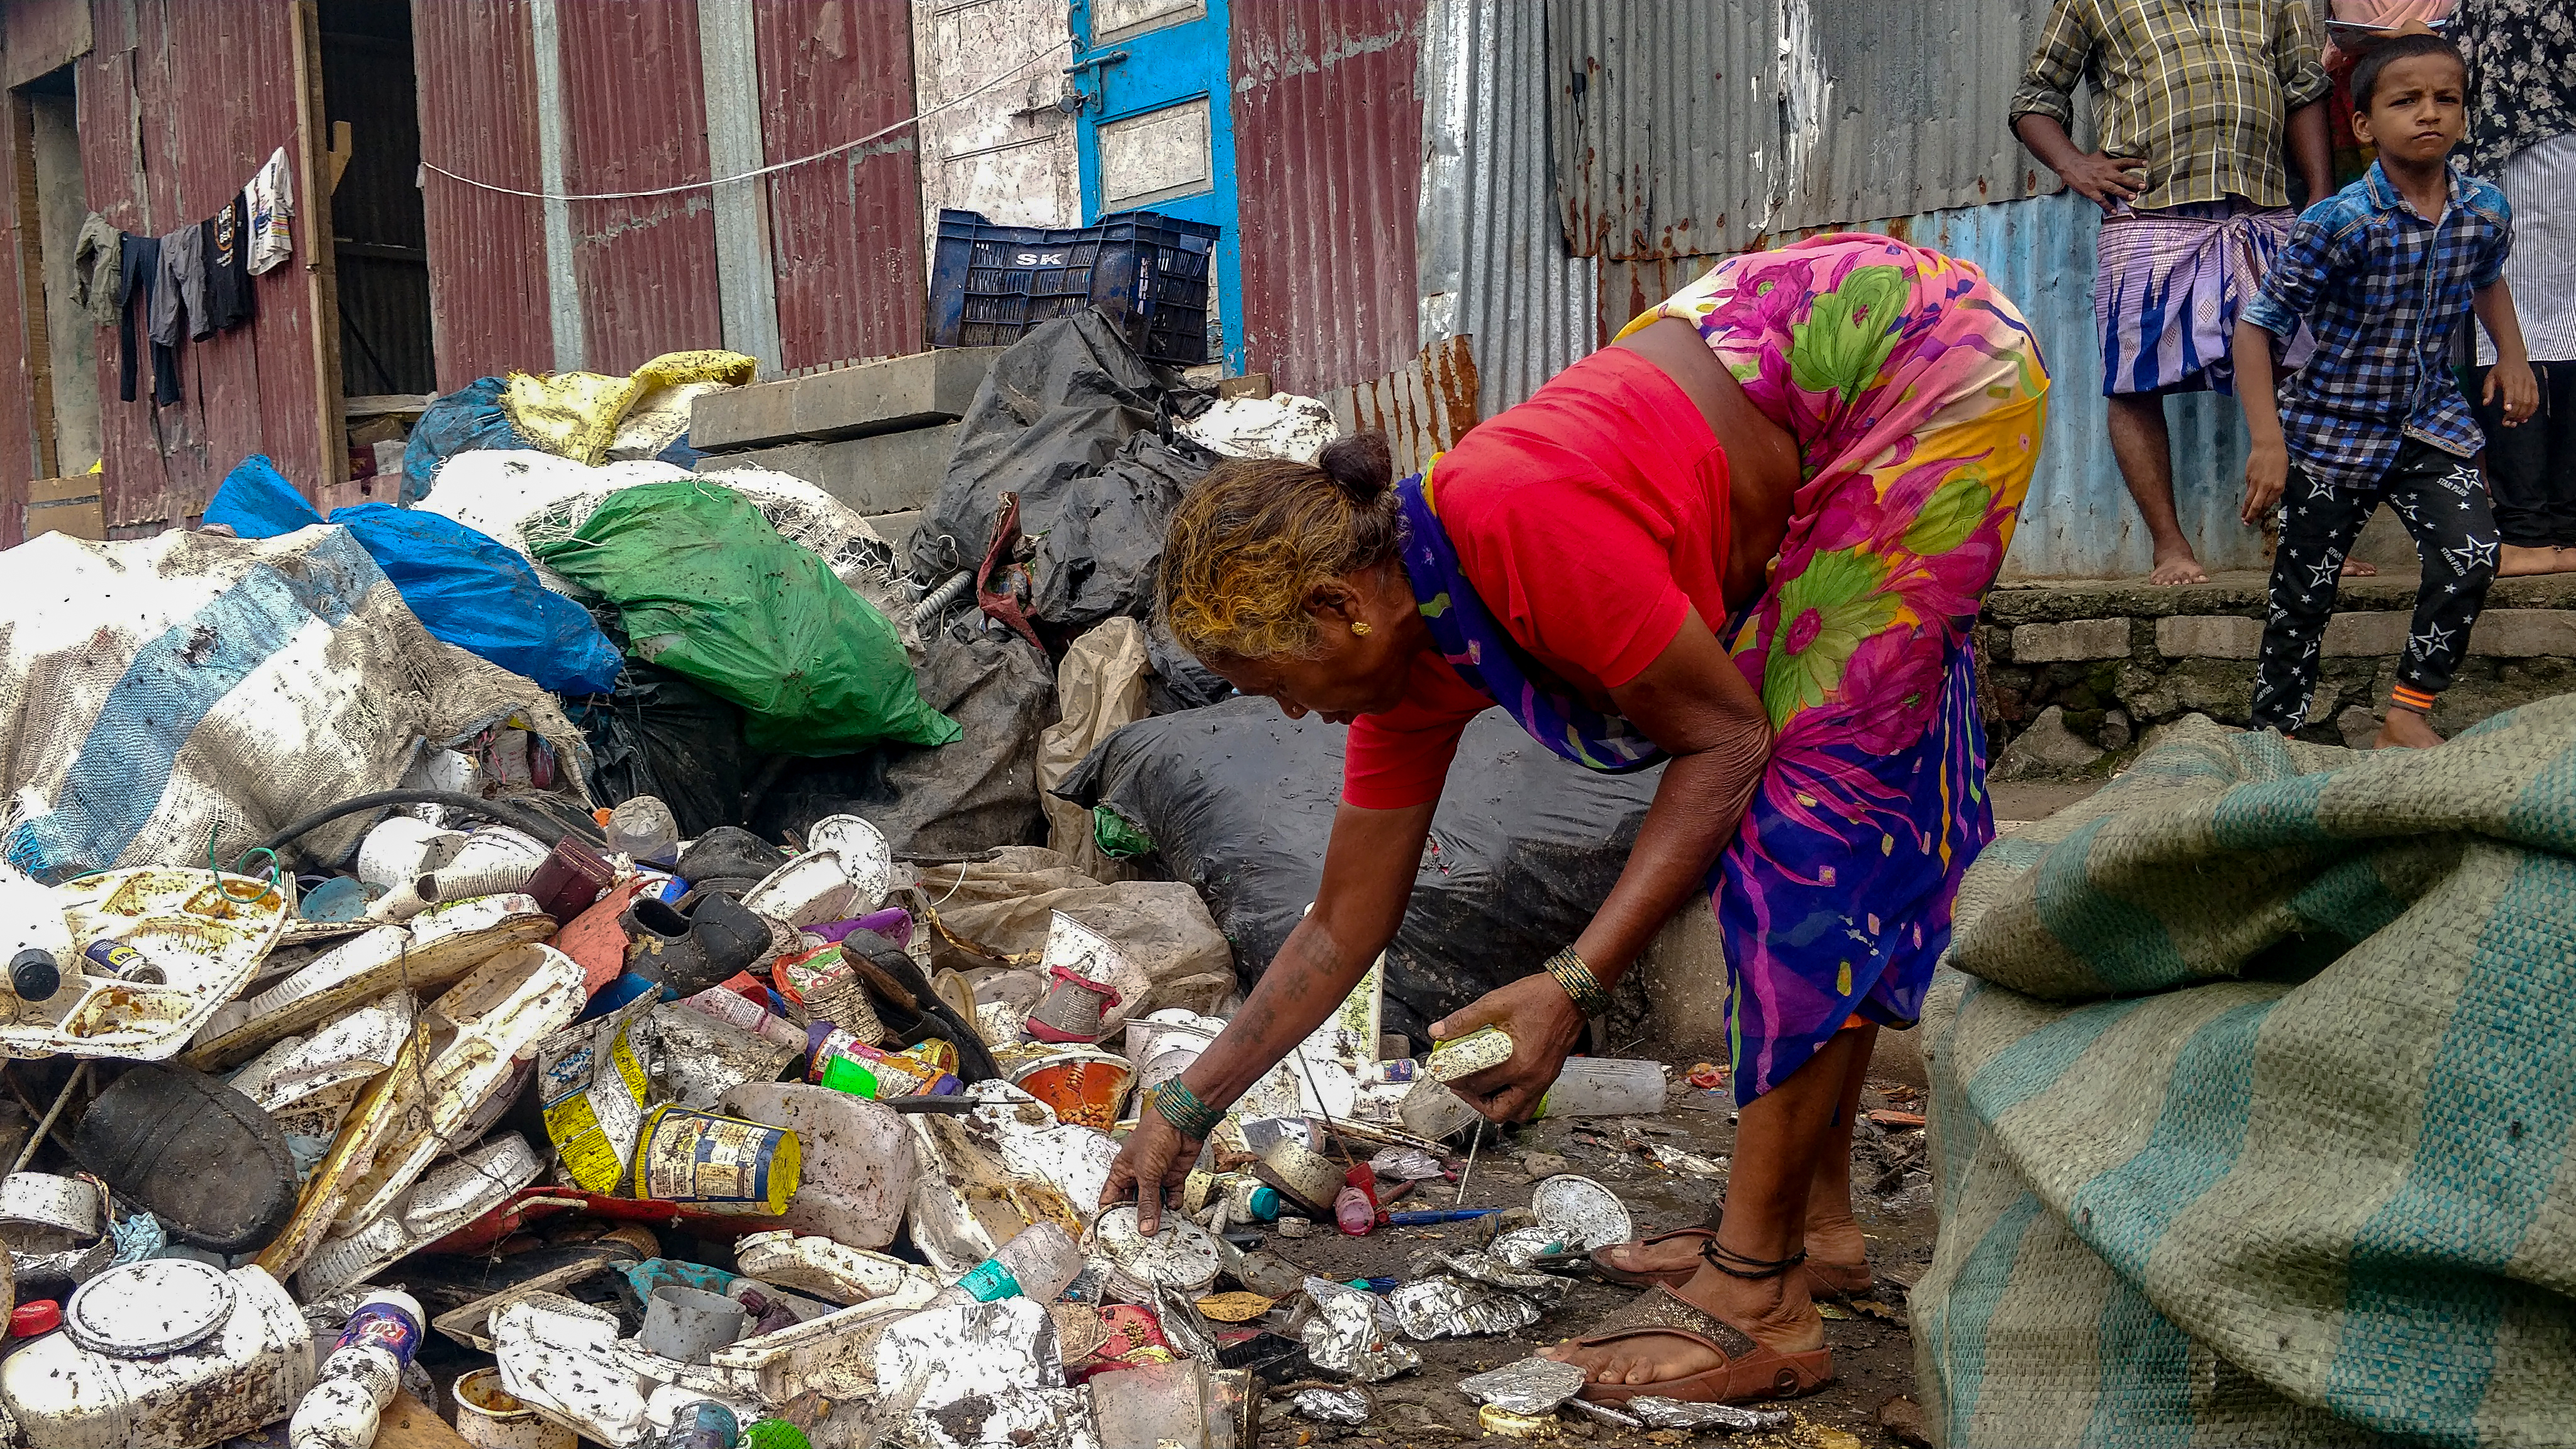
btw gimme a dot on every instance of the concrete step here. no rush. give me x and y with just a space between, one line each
896 395
885 473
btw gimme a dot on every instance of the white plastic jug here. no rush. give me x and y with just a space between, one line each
250 1369
857 1159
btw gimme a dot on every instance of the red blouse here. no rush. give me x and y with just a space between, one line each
1591 520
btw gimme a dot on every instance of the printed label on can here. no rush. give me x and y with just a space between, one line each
723 1163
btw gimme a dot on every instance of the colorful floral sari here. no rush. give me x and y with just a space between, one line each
1916 395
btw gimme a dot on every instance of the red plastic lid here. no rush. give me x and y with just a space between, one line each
29 1319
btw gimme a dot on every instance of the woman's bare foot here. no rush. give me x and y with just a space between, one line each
1833 1242
2354 568
2178 568
1774 1312
2405 729
2514 561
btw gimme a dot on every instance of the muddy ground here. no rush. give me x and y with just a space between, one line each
1873 1356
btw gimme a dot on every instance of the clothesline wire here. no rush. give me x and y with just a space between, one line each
914 119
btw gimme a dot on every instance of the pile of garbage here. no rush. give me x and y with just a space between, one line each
586 932
685 1139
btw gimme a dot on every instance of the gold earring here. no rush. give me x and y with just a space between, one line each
1359 626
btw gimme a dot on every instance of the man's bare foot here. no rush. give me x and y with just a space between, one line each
2354 568
2513 561
2178 568
1774 1312
2405 729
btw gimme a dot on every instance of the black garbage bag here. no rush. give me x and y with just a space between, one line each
1238 801
1079 427
946 800
1178 681
661 734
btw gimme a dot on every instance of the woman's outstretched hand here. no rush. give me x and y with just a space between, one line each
1156 1158
1543 1025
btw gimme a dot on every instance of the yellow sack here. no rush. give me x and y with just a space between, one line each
575 414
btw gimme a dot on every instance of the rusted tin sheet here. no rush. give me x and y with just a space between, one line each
845 232
635 118
175 115
18 462
487 252
1423 407
1685 130
1328 154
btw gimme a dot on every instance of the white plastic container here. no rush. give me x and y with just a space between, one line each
250 1369
360 1377
1605 1087
858 1161
489 1417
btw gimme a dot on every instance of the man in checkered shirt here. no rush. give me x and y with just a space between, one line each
2195 100
2386 273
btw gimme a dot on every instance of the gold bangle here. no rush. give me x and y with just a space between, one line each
1579 983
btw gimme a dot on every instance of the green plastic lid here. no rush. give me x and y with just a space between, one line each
774 1434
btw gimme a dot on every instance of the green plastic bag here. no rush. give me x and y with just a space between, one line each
711 591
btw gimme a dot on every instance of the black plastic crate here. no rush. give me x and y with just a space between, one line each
1149 272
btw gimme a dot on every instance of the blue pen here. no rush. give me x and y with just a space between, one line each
1428 1217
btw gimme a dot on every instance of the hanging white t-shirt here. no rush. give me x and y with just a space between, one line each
272 205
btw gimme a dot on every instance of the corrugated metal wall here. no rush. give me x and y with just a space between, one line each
844 232
635 118
179 103
1328 146
1687 130
1494 267
478 110
2079 522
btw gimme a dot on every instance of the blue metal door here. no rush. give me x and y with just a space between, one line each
1154 129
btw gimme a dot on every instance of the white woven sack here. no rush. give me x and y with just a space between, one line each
157 692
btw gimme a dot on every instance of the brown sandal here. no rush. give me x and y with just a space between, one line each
1826 1282
1746 1370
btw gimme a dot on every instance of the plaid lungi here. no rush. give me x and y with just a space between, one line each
2168 287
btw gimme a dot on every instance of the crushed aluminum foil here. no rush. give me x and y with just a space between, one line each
1603 1413
1520 1247
1343 1336
1331 1406
1661 1413
1583 1212
1689 1164
1456 1294
1531 1386
1405 1164
1445 1307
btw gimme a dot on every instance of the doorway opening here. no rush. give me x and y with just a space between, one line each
380 238
62 342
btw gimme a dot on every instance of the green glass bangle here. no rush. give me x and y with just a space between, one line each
1579 983
1182 1108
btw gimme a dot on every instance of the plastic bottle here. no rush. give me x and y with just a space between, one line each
751 1016
1038 1264
1353 1212
705 1424
31 927
360 1376
1604 1087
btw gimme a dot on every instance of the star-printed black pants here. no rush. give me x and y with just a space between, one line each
2443 503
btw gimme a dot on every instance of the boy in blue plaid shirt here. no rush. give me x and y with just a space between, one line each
2385 273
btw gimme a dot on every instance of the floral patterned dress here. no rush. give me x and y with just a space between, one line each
1917 397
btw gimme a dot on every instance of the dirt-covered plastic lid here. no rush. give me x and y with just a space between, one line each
160 1305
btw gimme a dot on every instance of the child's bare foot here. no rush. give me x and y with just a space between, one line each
2179 567
2354 568
2405 729
2514 561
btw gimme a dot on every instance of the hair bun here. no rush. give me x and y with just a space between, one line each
1361 465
